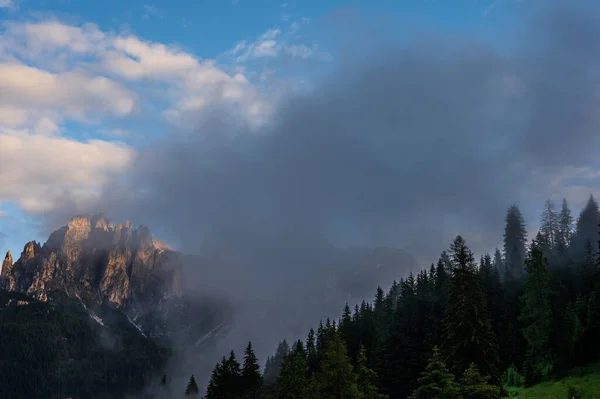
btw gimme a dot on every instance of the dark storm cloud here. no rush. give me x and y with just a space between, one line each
405 146
433 136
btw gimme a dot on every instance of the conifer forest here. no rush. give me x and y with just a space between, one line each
463 328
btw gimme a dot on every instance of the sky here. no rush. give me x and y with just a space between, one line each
97 99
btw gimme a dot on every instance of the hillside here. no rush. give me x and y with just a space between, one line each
583 382
72 347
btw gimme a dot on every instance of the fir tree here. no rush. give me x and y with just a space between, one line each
436 382
474 386
293 380
586 228
536 316
366 378
515 239
192 387
251 377
550 225
336 378
469 333
565 229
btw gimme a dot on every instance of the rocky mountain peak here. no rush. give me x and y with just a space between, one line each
91 254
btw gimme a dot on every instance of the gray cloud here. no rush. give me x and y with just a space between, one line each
403 145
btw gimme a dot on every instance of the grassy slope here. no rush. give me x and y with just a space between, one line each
585 379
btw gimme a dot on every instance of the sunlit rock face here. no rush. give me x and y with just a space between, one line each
116 264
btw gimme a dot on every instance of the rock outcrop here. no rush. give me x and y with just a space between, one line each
119 264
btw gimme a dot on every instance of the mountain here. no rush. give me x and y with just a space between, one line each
127 268
72 347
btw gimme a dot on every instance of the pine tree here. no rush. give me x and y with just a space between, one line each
311 352
536 316
469 333
366 378
274 363
436 382
498 261
586 228
293 380
336 378
474 386
550 225
515 239
565 229
251 377
192 387
215 388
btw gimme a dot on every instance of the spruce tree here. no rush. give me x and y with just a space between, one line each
515 239
536 316
586 229
474 386
251 377
565 230
469 334
192 387
436 382
366 378
550 225
311 352
293 380
336 378
215 388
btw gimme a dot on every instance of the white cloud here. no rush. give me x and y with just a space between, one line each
54 73
3 214
36 170
6 4
273 43
153 10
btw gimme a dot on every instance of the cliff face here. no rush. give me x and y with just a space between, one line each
115 263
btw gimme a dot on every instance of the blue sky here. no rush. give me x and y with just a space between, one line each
89 82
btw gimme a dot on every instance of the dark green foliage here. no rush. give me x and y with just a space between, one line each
474 386
469 334
366 378
515 240
251 378
293 380
536 317
51 353
336 378
436 382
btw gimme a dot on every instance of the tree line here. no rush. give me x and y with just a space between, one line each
460 329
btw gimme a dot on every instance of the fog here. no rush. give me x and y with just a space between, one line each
403 145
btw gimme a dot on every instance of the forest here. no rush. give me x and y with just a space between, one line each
463 328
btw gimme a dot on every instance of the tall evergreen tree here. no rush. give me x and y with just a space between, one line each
274 363
536 316
565 229
586 230
515 239
366 378
498 261
550 224
336 378
474 386
469 334
251 377
293 380
192 387
436 382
